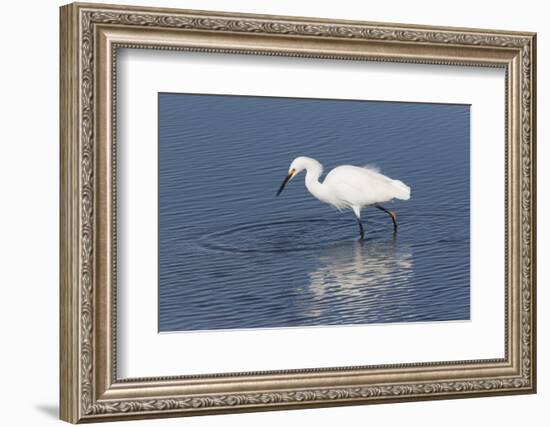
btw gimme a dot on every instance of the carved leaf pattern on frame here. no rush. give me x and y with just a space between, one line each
89 18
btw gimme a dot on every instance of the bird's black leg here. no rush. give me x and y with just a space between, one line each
393 216
361 229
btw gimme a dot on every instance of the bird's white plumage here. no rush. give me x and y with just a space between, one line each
349 186
362 186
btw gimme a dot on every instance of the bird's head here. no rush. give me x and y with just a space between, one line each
298 165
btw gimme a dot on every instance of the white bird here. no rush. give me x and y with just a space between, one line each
349 187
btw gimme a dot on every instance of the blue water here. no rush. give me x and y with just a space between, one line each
232 255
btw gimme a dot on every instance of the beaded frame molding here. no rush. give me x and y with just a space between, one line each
90 37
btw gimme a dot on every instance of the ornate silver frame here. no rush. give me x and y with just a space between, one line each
90 35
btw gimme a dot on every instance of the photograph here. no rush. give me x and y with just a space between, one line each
282 212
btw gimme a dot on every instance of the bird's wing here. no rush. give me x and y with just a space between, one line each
362 179
364 186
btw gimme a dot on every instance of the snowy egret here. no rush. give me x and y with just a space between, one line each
349 187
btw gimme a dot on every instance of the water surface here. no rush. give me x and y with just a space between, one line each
232 255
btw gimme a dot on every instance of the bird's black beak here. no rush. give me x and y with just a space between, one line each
288 178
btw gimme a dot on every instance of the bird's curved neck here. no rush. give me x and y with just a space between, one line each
312 181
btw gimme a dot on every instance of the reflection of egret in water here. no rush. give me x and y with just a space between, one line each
371 279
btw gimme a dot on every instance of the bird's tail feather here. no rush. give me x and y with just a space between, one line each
402 191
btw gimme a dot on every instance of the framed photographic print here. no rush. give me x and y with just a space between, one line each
266 212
